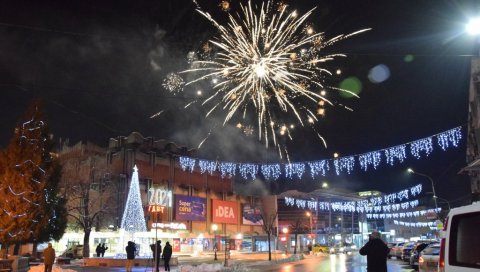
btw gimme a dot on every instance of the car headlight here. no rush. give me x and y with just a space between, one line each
342 249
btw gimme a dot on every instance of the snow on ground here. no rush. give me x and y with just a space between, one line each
56 268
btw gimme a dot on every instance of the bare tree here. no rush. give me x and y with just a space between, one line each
268 226
297 226
90 194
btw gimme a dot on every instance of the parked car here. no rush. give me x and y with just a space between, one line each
396 250
74 252
338 248
321 248
415 254
406 251
428 260
459 247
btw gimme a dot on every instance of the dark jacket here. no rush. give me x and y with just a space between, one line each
130 250
167 252
376 251
159 248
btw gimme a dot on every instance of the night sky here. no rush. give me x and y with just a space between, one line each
99 67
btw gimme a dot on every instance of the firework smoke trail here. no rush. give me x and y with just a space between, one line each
270 60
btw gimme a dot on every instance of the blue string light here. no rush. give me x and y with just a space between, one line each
292 169
248 170
371 158
319 167
271 171
449 137
207 166
396 153
423 145
393 155
344 163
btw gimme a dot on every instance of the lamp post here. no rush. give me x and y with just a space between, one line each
410 170
309 214
214 229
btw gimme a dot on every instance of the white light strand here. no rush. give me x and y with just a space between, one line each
292 169
396 153
415 224
227 169
248 170
393 155
345 163
449 137
187 163
372 205
271 171
416 190
319 167
207 166
402 214
371 158
421 146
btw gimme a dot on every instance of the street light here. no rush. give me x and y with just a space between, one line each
410 170
309 214
214 229
473 26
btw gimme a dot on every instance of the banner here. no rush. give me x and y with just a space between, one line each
251 215
176 245
190 208
225 211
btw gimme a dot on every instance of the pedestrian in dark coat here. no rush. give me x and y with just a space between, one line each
49 258
377 252
130 249
156 249
167 254
99 250
103 249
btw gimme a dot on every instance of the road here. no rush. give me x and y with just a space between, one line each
333 263
257 263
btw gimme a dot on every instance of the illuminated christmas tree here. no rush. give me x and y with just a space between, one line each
133 219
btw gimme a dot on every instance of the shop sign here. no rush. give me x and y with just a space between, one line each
251 215
159 196
172 225
190 208
176 245
224 211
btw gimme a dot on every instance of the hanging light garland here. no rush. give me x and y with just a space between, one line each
390 156
402 214
415 224
362 206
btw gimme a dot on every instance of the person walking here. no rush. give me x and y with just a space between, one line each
376 251
167 254
49 257
130 249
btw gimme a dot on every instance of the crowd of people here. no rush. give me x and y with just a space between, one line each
157 253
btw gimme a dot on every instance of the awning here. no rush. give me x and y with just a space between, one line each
473 166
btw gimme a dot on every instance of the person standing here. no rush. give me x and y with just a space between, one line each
130 249
167 255
376 251
103 249
98 250
49 257
157 252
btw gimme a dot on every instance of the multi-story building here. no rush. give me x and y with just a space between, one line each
194 211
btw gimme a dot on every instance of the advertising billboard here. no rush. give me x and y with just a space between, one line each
251 215
225 211
190 208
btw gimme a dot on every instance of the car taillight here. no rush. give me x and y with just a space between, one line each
441 259
421 260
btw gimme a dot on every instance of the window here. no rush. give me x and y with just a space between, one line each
464 244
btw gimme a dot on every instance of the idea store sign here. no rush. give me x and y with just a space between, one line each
225 211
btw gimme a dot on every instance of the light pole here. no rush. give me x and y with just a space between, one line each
285 232
214 229
410 170
309 214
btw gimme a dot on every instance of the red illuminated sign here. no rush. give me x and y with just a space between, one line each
225 212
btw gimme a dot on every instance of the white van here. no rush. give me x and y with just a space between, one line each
460 245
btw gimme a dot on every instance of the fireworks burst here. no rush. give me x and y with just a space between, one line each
266 61
173 83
